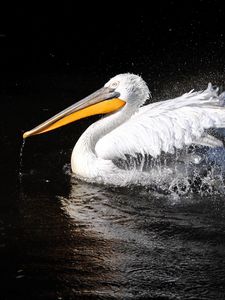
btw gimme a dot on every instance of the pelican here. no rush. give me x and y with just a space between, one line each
133 130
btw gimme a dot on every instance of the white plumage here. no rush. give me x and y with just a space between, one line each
149 130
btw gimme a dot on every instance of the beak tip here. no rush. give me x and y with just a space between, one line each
25 135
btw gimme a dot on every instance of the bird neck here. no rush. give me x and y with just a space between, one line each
100 128
84 161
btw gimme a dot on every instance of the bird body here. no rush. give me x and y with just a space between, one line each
137 131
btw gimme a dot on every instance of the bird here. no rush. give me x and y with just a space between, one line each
116 149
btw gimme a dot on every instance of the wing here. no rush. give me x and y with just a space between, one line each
166 125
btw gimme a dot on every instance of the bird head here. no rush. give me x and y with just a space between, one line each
131 88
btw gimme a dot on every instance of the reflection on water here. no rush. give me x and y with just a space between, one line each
153 246
94 242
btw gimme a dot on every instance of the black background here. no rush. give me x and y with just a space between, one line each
108 39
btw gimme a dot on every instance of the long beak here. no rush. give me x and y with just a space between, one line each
103 101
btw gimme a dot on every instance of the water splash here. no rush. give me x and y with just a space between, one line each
188 172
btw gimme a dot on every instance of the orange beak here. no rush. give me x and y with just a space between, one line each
103 101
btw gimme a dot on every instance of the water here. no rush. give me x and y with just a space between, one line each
61 238
119 243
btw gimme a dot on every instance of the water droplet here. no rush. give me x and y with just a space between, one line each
19 271
21 160
19 276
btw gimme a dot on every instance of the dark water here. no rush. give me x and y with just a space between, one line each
61 238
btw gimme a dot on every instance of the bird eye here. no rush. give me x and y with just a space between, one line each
114 84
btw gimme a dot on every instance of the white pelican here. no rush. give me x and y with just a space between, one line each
132 130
